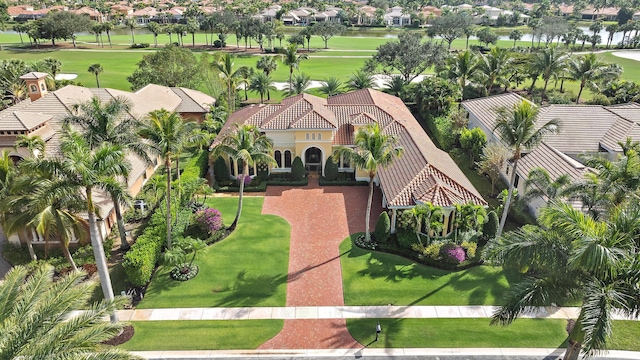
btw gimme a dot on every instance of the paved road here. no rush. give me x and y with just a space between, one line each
4 265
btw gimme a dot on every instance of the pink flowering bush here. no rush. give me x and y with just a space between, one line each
209 220
247 179
452 253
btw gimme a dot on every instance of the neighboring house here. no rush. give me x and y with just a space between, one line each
143 16
24 13
311 127
269 14
397 17
366 15
43 112
584 130
92 13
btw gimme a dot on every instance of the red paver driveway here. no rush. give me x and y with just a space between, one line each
320 218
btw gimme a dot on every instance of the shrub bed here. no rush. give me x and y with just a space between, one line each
325 182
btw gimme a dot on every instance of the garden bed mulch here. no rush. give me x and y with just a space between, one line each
126 335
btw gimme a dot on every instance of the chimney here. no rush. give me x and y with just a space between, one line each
36 85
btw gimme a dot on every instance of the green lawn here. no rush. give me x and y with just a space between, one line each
202 335
459 333
626 336
249 268
376 278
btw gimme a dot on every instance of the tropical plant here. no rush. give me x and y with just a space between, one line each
110 123
395 86
574 257
549 62
246 73
518 129
182 256
515 35
473 141
40 318
291 59
261 83
590 71
167 136
462 67
540 184
131 24
96 69
493 68
248 146
429 217
360 80
331 86
231 77
373 151
494 157
267 64
34 144
155 29
300 84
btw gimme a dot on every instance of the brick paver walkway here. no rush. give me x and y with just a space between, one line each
320 219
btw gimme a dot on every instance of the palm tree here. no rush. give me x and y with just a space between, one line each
248 146
540 184
107 27
515 35
493 67
612 29
373 151
574 257
332 86
131 24
360 80
291 59
53 65
34 144
32 318
462 67
518 129
429 215
549 63
589 70
246 73
261 83
267 64
300 84
230 76
96 69
110 123
81 168
155 29
168 135
395 86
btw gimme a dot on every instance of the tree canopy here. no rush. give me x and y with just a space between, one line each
171 66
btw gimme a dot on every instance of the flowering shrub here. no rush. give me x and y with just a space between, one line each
470 248
209 220
433 251
361 242
247 179
452 253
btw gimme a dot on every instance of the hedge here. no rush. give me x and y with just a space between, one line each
140 261
324 182
442 131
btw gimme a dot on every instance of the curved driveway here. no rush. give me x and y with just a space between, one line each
321 218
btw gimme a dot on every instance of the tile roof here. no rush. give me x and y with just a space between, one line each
423 174
553 161
34 75
193 100
486 109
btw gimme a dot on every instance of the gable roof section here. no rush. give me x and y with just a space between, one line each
153 97
553 161
192 100
486 109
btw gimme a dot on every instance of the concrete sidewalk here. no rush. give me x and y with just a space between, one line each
379 354
341 312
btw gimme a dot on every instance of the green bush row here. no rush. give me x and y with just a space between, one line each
325 182
140 261
442 131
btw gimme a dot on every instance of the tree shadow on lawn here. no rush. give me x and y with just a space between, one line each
249 290
476 283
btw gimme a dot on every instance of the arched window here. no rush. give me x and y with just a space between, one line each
313 136
278 156
345 162
42 87
287 159
306 136
319 136
34 88
233 168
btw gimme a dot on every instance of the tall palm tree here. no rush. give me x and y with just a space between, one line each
373 151
168 135
589 70
246 73
267 64
573 257
540 184
331 86
360 80
291 59
230 75
246 145
518 129
394 85
110 123
33 312
155 29
261 83
462 67
429 215
549 63
96 69
493 67
131 24
107 27
81 168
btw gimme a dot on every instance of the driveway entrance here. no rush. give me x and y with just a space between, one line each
321 218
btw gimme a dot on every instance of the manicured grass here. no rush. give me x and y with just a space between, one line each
630 68
202 335
459 333
626 336
248 268
376 278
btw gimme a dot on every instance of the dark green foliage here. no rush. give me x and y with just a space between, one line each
297 169
220 170
406 239
383 228
434 96
263 172
330 169
442 131
60 25
490 228
172 66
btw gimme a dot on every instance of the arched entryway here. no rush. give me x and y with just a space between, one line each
313 160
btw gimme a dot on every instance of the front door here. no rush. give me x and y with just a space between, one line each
313 160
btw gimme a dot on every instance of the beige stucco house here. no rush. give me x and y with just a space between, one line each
43 112
311 127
